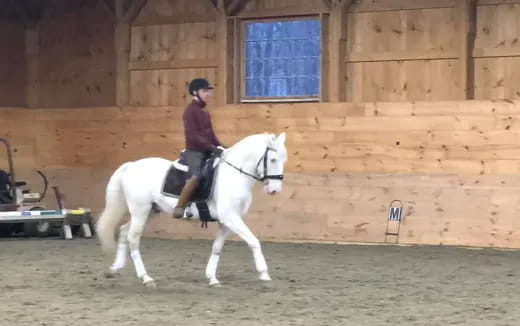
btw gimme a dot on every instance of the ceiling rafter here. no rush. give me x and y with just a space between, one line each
236 6
341 3
327 3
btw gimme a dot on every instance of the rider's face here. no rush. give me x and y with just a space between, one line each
204 94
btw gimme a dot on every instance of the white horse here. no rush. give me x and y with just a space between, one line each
135 186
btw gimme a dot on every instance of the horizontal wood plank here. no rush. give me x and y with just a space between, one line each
400 56
172 64
393 5
496 52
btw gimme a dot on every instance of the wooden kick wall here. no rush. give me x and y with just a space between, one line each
454 165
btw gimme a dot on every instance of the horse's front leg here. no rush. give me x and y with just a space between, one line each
237 225
211 268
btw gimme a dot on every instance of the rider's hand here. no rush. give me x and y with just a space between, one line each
217 151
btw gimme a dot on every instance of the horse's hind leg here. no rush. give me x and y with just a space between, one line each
139 215
122 249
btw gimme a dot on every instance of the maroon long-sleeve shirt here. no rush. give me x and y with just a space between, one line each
198 130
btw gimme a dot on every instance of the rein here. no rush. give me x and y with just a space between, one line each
266 175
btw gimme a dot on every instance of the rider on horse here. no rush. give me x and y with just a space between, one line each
200 139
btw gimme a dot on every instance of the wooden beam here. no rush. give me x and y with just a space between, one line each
125 12
341 3
496 52
225 72
119 9
173 64
345 4
167 20
122 50
337 53
221 6
466 23
497 2
133 10
108 7
324 62
394 5
214 3
327 3
400 56
236 62
264 13
236 6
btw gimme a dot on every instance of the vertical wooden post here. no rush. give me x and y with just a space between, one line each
324 60
122 49
32 55
336 52
225 72
237 61
466 20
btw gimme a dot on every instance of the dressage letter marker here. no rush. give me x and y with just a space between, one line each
393 222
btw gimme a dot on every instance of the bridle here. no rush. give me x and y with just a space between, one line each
266 176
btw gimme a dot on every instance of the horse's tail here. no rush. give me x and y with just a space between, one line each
115 210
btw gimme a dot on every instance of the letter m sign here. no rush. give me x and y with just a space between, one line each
394 214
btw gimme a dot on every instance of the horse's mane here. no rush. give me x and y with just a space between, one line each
267 137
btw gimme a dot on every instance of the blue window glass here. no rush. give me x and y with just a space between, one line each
282 59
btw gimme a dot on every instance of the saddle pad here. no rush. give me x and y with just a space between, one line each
175 180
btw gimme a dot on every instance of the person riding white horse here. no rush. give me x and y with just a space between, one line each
200 139
136 186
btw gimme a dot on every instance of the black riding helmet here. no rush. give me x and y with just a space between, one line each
199 83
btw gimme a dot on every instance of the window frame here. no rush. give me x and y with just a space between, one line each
241 61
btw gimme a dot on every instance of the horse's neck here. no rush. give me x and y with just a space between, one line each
246 161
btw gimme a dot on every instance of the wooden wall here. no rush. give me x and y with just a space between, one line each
76 55
172 42
388 50
497 50
404 53
395 50
398 130
12 60
454 165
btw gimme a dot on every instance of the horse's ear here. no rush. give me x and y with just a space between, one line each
281 138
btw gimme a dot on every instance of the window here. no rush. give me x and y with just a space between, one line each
281 60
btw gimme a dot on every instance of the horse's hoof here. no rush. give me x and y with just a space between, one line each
150 284
215 284
265 277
